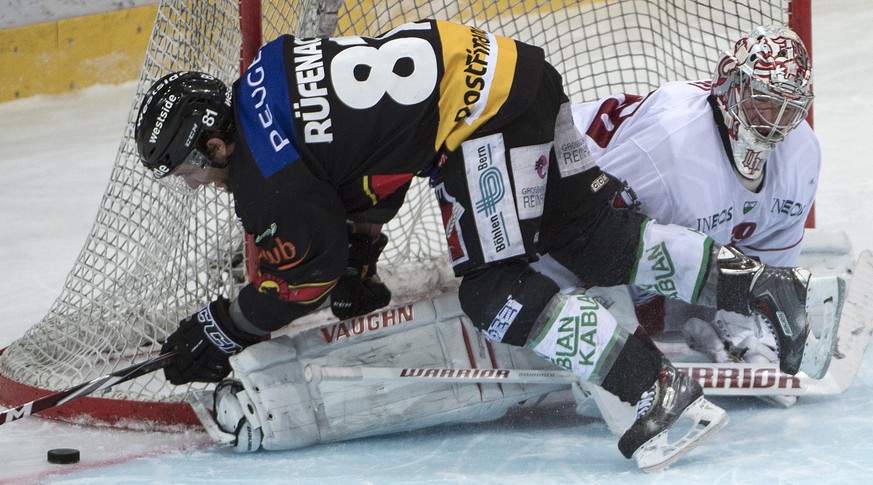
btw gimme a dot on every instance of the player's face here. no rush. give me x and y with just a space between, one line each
199 168
192 175
219 153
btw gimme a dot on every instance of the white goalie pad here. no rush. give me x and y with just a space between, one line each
293 411
435 334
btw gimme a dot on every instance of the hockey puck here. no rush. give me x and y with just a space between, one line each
63 456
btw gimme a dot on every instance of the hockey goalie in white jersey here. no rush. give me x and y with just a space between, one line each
732 157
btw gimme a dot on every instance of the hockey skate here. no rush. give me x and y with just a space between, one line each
777 294
673 398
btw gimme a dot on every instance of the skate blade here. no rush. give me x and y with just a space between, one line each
824 307
658 453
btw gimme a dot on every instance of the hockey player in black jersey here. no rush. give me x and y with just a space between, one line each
486 119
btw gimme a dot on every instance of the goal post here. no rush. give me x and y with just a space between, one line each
153 256
800 20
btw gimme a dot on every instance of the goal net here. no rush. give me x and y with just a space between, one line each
154 256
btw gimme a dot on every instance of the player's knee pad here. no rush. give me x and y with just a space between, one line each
504 300
578 333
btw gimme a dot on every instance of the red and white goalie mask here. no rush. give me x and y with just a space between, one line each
764 91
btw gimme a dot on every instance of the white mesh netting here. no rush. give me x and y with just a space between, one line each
154 257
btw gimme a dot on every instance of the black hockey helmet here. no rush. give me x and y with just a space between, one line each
175 113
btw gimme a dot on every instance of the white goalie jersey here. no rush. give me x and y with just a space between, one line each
667 147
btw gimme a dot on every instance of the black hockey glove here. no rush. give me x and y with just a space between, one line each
205 342
360 290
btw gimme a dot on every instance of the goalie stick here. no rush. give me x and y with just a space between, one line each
726 379
60 398
318 373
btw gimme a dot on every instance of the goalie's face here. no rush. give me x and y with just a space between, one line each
769 116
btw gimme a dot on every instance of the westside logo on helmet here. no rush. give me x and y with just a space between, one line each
162 117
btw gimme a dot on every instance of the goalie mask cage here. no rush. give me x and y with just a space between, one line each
154 257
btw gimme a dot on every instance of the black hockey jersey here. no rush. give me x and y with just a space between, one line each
329 127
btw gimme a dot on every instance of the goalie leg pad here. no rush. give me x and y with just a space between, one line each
291 412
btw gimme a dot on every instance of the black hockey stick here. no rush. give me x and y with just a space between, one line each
59 398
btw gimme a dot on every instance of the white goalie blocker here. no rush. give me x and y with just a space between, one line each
397 369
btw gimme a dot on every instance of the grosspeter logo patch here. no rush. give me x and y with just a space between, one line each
530 167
